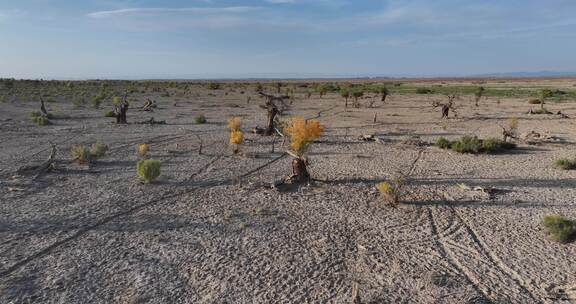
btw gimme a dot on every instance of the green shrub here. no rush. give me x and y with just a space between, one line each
443 143
96 101
467 144
471 144
34 114
494 145
214 86
200 119
110 114
148 170
559 228
424 91
98 149
565 164
41 120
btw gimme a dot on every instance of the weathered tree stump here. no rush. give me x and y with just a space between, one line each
299 171
120 110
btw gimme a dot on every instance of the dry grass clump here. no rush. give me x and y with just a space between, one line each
302 133
391 191
80 154
148 170
559 228
98 149
143 150
565 164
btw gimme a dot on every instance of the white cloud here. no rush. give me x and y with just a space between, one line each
163 11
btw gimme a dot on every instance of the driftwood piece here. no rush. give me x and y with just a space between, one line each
149 105
44 167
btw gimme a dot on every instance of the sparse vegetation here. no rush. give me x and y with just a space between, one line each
566 164
474 145
143 150
148 170
98 149
560 228
80 154
39 118
391 190
200 119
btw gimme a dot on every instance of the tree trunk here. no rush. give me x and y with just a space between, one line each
445 111
299 171
42 107
272 111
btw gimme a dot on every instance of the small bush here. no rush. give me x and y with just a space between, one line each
423 91
41 120
443 143
214 86
473 145
565 164
200 119
110 114
236 137
148 170
34 114
559 228
80 154
143 149
467 144
494 145
98 149
534 101
391 190
97 101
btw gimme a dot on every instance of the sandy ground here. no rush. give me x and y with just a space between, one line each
210 232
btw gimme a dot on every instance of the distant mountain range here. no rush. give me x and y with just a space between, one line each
529 74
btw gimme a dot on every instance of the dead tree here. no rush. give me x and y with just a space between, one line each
44 167
273 109
446 107
121 109
43 108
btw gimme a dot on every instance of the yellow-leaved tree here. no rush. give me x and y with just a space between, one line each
302 134
236 135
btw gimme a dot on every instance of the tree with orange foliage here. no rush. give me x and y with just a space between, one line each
236 135
302 134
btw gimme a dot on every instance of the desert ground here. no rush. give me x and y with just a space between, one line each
214 229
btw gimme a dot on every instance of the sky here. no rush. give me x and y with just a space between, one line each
139 39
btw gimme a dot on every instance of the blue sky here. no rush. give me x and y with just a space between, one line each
283 38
